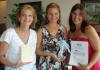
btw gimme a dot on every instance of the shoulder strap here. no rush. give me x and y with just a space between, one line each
62 28
44 31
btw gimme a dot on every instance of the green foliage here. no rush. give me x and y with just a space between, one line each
12 15
40 16
94 18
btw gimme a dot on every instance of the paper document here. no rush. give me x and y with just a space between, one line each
27 53
79 53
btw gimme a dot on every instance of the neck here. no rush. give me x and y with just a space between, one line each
52 24
23 29
78 27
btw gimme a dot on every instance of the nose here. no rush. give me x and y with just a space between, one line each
53 15
76 16
26 16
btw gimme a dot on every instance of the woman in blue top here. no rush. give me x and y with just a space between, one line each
13 38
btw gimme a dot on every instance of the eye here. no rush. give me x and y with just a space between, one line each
74 13
30 15
23 15
49 13
56 13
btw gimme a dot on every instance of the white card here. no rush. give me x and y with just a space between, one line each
79 53
27 53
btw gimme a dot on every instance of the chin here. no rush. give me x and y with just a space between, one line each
76 23
54 21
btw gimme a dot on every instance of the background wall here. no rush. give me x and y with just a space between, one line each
65 6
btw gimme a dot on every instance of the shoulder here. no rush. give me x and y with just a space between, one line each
40 29
9 31
33 32
39 32
7 35
63 27
89 28
90 31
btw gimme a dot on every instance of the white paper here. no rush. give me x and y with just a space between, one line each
27 53
79 53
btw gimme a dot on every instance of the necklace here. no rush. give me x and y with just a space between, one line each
23 32
23 35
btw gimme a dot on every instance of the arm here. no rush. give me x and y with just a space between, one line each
38 50
95 43
3 50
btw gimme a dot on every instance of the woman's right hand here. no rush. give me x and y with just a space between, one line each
58 59
20 63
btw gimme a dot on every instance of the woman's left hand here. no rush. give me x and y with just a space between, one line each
83 67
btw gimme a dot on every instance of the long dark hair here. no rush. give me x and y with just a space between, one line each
84 15
52 5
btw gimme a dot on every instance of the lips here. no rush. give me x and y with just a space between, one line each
77 20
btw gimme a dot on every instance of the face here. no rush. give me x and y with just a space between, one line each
53 15
77 17
26 18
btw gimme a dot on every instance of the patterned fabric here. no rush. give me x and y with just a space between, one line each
48 44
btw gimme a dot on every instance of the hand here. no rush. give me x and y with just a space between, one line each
83 67
63 58
58 59
64 49
20 63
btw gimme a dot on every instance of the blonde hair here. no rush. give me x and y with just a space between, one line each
21 10
52 5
